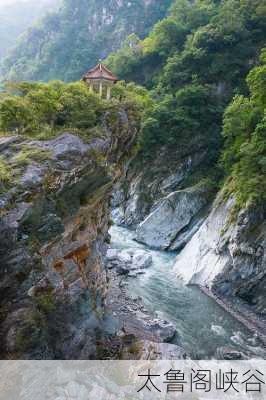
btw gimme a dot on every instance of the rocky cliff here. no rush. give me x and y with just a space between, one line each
53 235
166 198
220 249
227 254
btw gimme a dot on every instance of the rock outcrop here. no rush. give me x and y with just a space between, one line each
129 262
171 224
167 198
146 183
53 234
227 254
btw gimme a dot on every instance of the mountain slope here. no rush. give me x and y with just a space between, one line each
17 17
68 42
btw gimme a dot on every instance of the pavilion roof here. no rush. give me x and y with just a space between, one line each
100 72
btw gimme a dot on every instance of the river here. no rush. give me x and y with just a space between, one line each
202 325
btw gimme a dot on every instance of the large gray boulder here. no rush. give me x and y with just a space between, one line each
145 184
173 215
129 261
160 351
65 146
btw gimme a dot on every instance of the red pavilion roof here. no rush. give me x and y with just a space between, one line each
100 72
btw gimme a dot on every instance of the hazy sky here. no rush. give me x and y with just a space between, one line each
5 2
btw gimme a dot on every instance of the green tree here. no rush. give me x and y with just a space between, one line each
31 107
16 115
244 156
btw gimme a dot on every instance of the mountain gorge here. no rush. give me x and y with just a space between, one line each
205 68
177 158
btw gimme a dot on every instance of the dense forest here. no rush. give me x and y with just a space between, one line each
43 109
244 156
194 62
67 42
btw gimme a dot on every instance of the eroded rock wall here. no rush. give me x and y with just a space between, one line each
166 198
53 236
228 255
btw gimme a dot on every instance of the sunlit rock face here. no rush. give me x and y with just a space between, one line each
166 198
227 254
147 183
200 261
53 236
165 227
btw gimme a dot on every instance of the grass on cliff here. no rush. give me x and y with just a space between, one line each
29 154
6 175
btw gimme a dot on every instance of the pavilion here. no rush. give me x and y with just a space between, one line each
100 80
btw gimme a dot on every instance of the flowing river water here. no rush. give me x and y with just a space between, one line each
202 325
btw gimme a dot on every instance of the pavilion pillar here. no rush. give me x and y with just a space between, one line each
101 89
91 87
108 92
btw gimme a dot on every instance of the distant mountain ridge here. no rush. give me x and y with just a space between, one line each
72 39
17 16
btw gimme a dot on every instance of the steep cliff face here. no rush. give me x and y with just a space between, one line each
65 44
221 250
166 198
227 254
53 235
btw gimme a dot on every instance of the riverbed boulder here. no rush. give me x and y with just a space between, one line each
129 262
163 329
230 354
160 351
141 260
175 213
